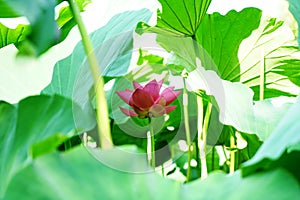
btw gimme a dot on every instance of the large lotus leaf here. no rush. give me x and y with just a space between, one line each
77 175
294 8
236 105
241 58
220 37
183 16
58 176
210 42
281 148
43 30
271 47
212 45
32 120
262 185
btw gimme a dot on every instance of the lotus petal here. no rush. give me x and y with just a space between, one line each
128 112
125 95
142 99
169 109
153 88
136 85
169 95
157 110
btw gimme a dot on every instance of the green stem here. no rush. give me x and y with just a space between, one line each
187 129
213 159
232 154
197 153
200 127
262 77
204 172
152 143
102 109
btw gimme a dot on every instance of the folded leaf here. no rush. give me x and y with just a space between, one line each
282 148
236 105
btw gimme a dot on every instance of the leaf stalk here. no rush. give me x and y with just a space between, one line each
187 129
102 108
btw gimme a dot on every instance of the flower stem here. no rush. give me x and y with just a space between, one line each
152 140
102 110
187 129
200 127
204 172
232 155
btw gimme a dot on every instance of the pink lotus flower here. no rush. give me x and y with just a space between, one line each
147 101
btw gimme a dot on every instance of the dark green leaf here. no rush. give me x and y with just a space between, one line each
44 31
30 121
66 21
261 42
48 145
41 16
183 16
221 36
253 144
13 36
7 11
